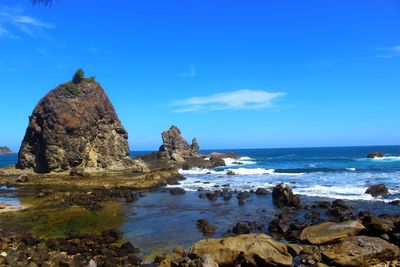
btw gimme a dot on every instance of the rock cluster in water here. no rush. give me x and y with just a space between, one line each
74 125
175 146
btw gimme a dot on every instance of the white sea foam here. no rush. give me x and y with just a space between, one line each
237 171
382 159
241 161
351 169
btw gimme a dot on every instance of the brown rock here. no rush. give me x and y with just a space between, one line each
330 232
378 190
375 155
283 196
255 249
361 251
74 125
175 146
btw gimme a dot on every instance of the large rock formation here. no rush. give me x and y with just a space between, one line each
74 125
175 146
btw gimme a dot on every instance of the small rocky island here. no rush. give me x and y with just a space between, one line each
5 150
74 126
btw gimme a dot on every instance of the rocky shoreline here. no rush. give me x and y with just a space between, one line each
328 234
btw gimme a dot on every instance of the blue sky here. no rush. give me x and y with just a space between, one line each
235 74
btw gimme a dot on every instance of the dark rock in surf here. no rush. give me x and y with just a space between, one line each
177 191
283 196
378 190
262 191
375 155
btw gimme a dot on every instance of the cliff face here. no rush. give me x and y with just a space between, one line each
74 125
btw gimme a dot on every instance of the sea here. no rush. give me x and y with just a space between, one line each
159 221
331 172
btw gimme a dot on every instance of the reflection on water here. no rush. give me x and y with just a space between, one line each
8 196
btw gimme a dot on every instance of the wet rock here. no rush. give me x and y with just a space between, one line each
361 251
261 191
254 249
339 209
212 196
377 226
230 172
312 215
375 155
177 191
243 195
378 190
330 232
206 228
283 196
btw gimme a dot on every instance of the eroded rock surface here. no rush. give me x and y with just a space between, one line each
329 232
74 125
361 251
249 249
175 146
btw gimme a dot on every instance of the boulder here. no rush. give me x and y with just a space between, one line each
329 232
230 172
205 227
177 191
74 125
283 196
252 249
375 155
261 191
360 251
378 190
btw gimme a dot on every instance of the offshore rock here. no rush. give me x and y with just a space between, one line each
175 146
375 155
74 125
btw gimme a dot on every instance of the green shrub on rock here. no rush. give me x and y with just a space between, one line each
78 76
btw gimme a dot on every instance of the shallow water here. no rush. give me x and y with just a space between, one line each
160 221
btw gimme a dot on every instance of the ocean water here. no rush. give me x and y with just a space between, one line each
334 172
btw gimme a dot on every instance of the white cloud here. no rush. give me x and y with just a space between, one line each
95 50
13 21
192 72
235 100
390 52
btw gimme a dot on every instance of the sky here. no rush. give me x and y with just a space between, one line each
233 73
